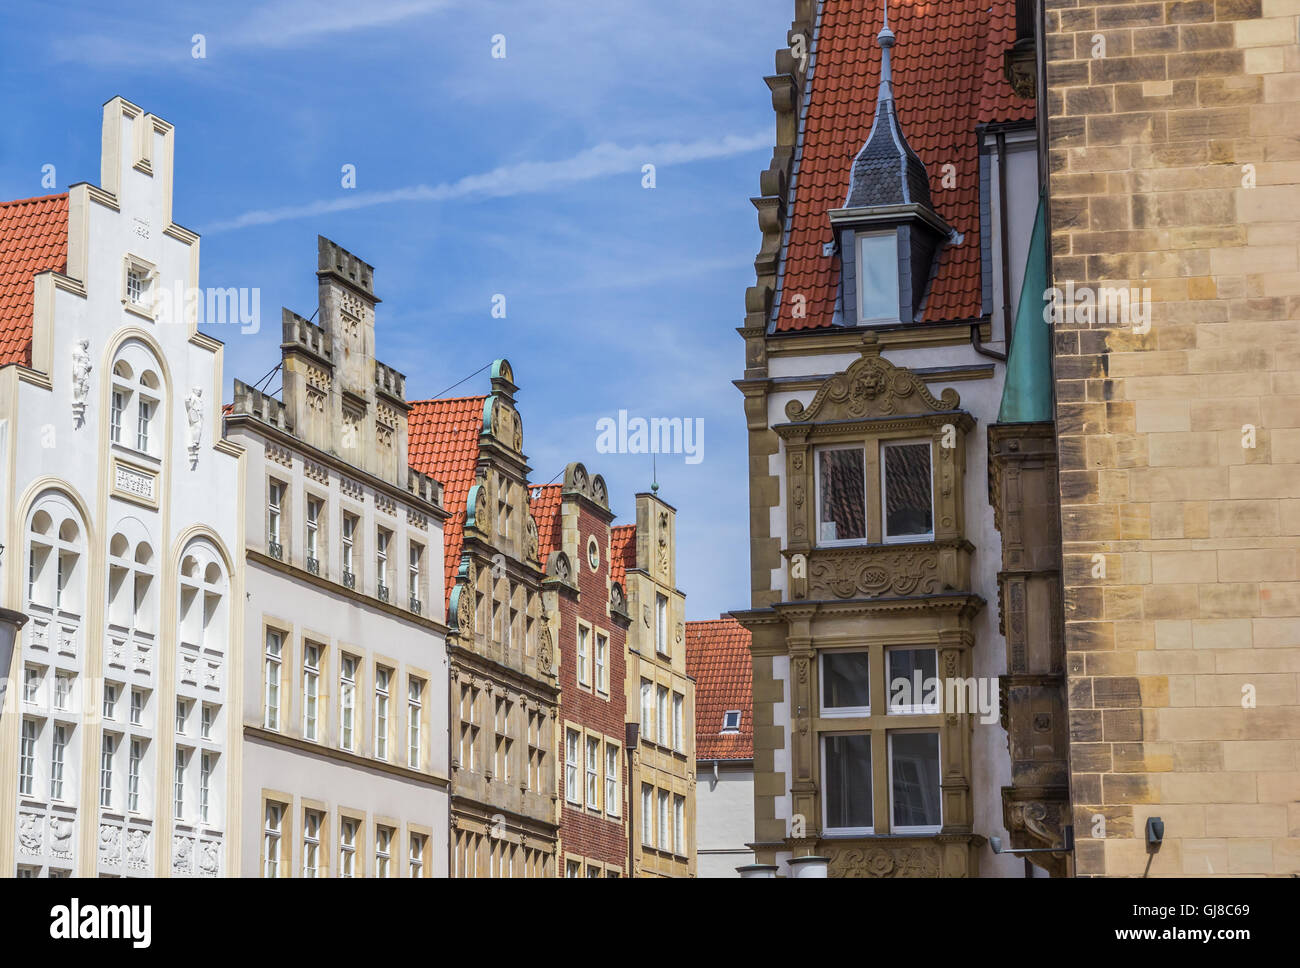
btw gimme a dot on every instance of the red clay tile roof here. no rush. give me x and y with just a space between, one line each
544 501
947 79
622 553
33 238
717 656
443 443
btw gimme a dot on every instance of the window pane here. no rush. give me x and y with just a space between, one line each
913 679
877 277
841 499
907 490
848 781
915 771
844 680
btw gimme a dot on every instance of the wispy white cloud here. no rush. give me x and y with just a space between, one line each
284 24
518 179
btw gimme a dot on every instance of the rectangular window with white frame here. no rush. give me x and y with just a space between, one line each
647 708
133 778
383 851
915 797
661 830
178 785
572 750
647 815
593 772
845 684
383 676
274 517
381 563
206 760
314 507
602 663
661 715
415 855
613 780
584 635
311 660
27 757
679 722
907 491
679 825
413 587
58 757
272 834
311 835
913 679
841 482
846 784
271 669
349 548
414 721
661 624
347 701
348 834
108 747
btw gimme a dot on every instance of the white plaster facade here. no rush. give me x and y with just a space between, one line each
724 816
119 542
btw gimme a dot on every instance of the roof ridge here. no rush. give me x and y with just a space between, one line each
34 198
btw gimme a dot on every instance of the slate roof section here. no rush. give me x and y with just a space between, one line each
717 657
947 78
887 170
442 441
622 553
33 239
545 502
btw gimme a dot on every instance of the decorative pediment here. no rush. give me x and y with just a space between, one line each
503 422
559 567
871 387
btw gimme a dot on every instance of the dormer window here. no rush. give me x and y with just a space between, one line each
877 277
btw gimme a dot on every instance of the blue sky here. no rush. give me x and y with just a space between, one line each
475 176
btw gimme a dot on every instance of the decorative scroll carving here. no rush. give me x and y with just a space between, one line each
871 387
875 572
545 650
885 862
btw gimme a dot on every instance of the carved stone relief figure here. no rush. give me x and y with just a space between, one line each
80 379
194 417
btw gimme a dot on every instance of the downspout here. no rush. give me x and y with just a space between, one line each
1004 247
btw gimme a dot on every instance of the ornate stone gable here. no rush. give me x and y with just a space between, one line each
871 387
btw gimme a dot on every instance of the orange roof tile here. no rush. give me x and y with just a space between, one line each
622 553
544 501
717 656
33 239
443 443
947 79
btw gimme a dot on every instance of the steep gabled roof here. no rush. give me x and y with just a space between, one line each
717 656
33 239
622 553
544 502
947 78
443 443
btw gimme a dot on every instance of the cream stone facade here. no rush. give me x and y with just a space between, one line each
661 788
344 716
120 727
1174 173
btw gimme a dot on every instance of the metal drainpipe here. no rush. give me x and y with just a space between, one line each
631 734
1003 231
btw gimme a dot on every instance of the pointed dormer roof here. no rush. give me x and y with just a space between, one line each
887 171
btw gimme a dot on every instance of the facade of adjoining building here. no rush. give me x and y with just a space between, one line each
660 693
589 620
717 658
502 671
896 219
120 734
1172 410
344 716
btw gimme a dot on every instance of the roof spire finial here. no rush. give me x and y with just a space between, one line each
886 40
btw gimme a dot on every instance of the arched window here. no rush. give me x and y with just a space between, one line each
132 581
55 558
135 413
204 626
